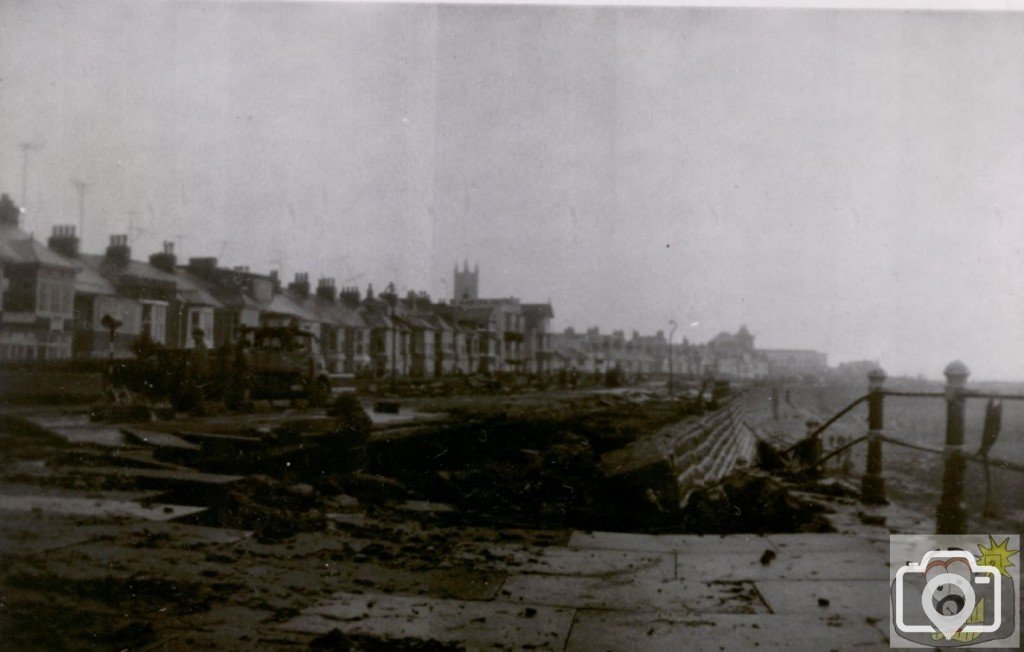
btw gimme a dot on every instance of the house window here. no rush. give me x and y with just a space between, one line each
154 320
201 318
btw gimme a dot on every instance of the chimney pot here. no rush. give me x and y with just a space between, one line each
204 267
64 241
325 289
118 251
300 285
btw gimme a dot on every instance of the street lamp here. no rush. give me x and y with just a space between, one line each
392 301
671 333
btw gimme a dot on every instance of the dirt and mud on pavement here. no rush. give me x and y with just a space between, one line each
225 531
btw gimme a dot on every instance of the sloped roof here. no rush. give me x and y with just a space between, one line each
133 269
235 297
189 288
413 321
329 312
89 281
281 304
538 310
722 338
442 323
478 315
448 315
192 290
374 319
17 246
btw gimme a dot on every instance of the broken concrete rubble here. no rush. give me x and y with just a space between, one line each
341 508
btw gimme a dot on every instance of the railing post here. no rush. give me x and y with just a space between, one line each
951 517
872 485
812 453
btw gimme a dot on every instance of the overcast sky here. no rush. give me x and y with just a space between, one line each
851 182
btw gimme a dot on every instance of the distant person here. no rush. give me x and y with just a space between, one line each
200 352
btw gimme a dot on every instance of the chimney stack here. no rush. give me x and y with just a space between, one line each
64 241
275 281
204 267
9 211
118 252
325 289
300 285
350 296
165 260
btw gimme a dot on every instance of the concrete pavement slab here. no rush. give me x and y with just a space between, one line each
817 542
95 507
638 594
34 532
99 435
855 598
476 625
599 631
329 576
864 563
669 542
571 561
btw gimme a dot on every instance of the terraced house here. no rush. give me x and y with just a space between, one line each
38 294
59 302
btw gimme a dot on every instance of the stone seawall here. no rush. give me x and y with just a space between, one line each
660 472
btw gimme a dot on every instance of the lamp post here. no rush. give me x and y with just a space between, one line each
671 379
392 299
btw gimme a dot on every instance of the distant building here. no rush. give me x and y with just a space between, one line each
655 347
96 297
510 336
795 363
856 371
37 294
157 299
596 352
734 356
389 335
243 295
467 283
338 325
537 350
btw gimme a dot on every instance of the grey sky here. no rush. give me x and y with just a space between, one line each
846 181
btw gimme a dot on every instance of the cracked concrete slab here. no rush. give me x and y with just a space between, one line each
634 594
862 563
477 625
572 561
95 507
597 631
865 598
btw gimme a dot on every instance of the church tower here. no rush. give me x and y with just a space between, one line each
466 282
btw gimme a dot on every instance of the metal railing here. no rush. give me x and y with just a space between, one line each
951 514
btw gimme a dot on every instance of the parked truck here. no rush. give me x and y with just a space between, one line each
265 363
278 362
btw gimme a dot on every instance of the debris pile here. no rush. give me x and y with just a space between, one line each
272 510
751 501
